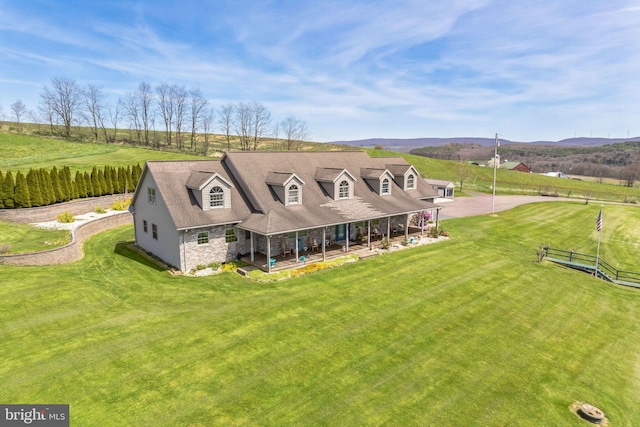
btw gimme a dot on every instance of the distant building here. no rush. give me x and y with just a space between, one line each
556 174
445 188
515 166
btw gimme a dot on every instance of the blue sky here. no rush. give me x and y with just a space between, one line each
534 70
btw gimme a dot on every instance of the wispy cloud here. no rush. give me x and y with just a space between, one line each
352 69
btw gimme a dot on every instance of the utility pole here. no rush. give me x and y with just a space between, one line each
495 167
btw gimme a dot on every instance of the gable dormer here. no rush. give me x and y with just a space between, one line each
338 183
211 190
287 186
406 176
380 180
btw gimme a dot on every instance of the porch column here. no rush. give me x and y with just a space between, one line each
422 221
251 243
406 227
296 247
268 254
346 245
369 234
324 239
388 227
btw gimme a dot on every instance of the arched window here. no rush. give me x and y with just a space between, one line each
216 197
385 186
411 182
343 192
294 195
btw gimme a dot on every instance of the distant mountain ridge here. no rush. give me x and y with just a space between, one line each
406 145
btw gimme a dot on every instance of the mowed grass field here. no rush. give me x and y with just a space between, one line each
472 331
20 153
19 238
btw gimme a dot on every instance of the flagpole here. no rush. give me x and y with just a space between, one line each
495 166
599 228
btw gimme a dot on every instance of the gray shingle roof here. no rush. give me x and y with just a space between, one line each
255 206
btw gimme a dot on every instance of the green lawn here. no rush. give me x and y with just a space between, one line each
20 152
28 238
472 331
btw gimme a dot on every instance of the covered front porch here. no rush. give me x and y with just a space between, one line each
287 253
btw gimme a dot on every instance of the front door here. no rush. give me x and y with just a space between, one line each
341 232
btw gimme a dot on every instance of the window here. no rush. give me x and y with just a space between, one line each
144 226
449 192
203 238
301 233
154 231
216 197
343 192
385 186
411 182
230 235
151 193
294 195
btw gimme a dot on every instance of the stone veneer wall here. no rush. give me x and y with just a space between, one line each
216 250
49 213
73 250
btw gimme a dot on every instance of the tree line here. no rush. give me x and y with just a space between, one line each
167 114
40 187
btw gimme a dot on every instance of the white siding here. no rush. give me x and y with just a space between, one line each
166 247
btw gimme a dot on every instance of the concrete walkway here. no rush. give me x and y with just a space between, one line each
480 204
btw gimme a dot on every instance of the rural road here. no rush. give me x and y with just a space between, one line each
480 204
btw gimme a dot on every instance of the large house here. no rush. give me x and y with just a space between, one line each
263 204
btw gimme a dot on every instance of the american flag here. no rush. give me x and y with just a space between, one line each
599 220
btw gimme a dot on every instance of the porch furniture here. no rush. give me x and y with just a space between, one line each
313 245
285 251
272 262
375 232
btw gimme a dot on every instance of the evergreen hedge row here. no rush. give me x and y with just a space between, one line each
41 187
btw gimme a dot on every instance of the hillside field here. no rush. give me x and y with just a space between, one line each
19 153
472 331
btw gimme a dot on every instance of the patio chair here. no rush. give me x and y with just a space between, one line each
375 232
313 245
285 251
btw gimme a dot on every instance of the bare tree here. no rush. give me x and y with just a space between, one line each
261 121
19 110
276 135
94 105
166 108
243 124
64 99
631 173
114 118
179 99
144 96
295 131
207 116
46 110
198 114
464 169
225 121
131 107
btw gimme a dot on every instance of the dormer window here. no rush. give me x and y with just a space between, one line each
343 192
216 197
385 186
411 182
294 195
